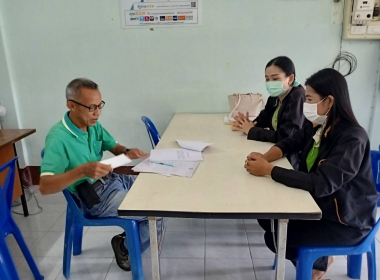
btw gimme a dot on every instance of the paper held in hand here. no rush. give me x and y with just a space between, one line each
117 161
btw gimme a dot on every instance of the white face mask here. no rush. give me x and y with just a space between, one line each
311 113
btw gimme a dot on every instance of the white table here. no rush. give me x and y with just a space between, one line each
220 188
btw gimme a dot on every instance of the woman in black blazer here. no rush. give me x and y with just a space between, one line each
335 167
282 115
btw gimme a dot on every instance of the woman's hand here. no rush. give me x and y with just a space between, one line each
253 155
246 126
258 166
235 126
241 117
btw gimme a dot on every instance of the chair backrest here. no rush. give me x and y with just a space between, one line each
154 136
367 241
375 160
375 163
72 202
6 191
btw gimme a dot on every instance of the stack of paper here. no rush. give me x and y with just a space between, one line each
179 162
192 151
178 168
175 154
198 146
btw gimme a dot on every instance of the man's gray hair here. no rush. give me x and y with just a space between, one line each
74 87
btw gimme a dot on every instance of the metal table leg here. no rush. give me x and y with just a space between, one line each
154 248
281 244
23 200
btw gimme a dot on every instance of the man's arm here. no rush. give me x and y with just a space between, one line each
118 150
132 153
50 184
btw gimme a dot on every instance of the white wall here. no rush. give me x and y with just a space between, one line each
6 95
8 98
161 72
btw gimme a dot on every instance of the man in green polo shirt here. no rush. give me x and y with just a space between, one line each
73 149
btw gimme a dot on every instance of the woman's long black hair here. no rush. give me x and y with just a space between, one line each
284 63
330 82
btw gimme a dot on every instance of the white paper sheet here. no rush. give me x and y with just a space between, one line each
117 161
175 155
180 168
193 145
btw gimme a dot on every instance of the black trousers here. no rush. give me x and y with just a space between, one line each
313 233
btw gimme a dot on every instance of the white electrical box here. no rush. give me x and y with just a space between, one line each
361 19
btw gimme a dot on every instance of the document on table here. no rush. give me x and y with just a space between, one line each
117 161
178 168
193 145
175 155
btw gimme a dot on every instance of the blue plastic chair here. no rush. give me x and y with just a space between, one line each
375 161
7 225
308 255
76 220
154 136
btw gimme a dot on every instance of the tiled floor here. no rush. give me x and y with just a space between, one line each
192 249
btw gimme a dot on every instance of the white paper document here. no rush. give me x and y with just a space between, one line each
117 161
175 155
178 168
193 145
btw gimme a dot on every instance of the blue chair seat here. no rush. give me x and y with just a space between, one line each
7 226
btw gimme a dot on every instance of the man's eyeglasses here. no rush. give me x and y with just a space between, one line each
92 107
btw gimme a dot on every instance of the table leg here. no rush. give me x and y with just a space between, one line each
154 248
24 204
281 247
23 200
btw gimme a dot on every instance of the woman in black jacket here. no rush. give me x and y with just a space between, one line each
282 115
334 167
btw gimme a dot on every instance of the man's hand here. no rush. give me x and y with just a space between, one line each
136 153
258 166
96 170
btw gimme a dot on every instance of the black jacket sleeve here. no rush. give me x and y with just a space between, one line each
342 164
290 120
264 116
297 142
